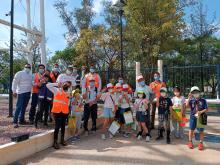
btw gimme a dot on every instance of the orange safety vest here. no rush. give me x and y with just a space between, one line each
35 88
54 79
94 76
156 86
60 103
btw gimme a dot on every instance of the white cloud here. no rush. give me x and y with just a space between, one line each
97 5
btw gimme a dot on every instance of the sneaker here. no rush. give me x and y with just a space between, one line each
15 125
168 140
74 139
190 145
200 146
147 138
111 136
126 135
139 137
77 137
103 137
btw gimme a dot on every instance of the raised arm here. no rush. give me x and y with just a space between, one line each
53 87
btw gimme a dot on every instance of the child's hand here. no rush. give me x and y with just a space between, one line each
190 95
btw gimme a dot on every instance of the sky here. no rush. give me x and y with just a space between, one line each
53 24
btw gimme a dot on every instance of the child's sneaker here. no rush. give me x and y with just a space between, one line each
126 135
111 136
190 145
139 137
103 137
77 137
147 138
200 146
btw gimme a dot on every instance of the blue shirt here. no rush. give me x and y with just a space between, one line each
200 103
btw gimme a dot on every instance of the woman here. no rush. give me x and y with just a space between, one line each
60 109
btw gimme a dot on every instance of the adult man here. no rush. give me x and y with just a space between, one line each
35 89
21 87
93 75
156 85
55 73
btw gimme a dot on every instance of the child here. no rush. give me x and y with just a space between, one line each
124 101
118 91
197 106
178 105
164 105
45 99
109 108
141 106
76 110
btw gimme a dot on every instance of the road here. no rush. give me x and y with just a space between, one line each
92 150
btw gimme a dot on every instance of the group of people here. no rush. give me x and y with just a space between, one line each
72 98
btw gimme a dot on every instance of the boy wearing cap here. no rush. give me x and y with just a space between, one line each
198 106
91 96
124 101
109 108
164 105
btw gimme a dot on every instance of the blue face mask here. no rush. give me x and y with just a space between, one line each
92 70
92 84
121 81
156 78
41 71
142 83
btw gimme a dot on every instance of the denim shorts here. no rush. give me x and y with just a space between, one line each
193 123
108 113
141 116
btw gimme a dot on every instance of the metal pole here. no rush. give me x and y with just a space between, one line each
121 31
30 56
42 26
11 60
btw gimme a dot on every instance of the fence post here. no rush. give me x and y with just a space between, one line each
218 85
160 69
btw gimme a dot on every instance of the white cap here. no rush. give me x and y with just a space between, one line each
125 86
118 85
110 85
163 89
140 77
194 88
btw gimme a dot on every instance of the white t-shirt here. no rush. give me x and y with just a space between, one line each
124 104
109 100
64 78
117 95
178 102
139 103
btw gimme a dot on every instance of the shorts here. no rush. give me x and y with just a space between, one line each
121 114
141 116
78 119
193 124
108 113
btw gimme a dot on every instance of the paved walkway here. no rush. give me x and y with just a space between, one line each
121 151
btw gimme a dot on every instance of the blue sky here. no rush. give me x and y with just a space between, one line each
54 26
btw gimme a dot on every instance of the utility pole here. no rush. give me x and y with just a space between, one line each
121 11
29 36
11 60
42 27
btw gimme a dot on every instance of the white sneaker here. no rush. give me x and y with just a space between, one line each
147 138
103 137
139 137
111 136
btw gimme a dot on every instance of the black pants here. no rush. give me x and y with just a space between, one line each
34 102
153 113
60 120
87 112
43 108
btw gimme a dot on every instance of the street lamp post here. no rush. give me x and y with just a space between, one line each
11 60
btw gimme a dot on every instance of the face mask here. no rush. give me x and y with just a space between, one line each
65 88
163 94
27 70
156 78
92 84
121 81
110 90
142 83
196 95
41 71
56 69
140 95
176 93
92 70
68 72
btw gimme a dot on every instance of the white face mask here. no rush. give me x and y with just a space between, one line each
68 72
27 70
140 96
110 90
176 93
163 94
196 95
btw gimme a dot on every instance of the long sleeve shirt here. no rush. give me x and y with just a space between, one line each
22 82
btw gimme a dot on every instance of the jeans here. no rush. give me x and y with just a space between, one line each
43 109
60 121
21 105
178 130
90 111
34 102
